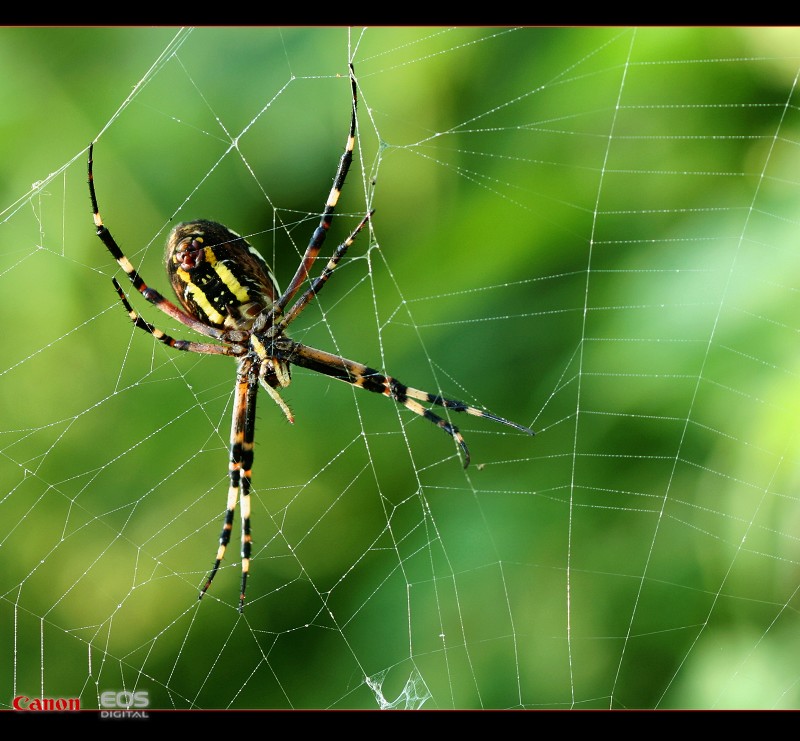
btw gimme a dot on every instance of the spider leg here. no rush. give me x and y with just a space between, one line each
320 280
241 463
150 294
204 348
318 238
370 379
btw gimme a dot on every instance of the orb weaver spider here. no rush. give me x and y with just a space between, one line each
228 293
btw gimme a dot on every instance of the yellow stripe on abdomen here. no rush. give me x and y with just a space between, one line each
227 277
200 298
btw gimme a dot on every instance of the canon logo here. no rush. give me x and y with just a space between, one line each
23 702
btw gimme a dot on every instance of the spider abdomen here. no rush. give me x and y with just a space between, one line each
217 276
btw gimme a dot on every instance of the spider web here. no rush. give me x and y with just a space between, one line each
589 231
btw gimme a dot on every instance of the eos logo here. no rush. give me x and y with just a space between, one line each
126 700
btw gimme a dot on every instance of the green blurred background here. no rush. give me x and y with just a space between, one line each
589 231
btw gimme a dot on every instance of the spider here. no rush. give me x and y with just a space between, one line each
228 293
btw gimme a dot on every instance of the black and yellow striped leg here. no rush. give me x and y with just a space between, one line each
203 348
246 456
322 279
150 294
370 379
318 238
240 469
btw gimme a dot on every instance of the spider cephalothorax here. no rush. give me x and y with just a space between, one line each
228 294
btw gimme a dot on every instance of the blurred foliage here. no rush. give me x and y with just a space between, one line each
590 231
